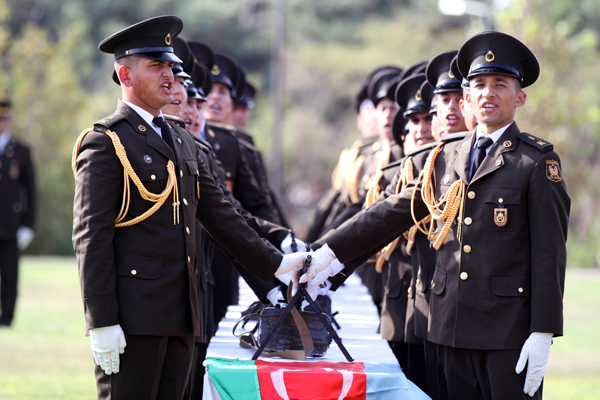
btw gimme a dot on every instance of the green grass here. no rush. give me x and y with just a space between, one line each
45 355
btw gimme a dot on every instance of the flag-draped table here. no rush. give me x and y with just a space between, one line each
231 374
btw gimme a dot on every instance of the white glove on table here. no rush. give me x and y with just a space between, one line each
24 237
107 343
286 244
535 354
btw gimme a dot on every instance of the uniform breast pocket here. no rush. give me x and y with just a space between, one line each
501 209
140 266
511 285
154 177
192 183
438 283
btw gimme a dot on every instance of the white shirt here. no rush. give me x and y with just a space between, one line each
494 136
146 116
4 139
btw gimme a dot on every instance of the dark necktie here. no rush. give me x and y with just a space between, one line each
164 131
482 144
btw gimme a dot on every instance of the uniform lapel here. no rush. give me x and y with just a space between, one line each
177 141
462 159
494 159
152 138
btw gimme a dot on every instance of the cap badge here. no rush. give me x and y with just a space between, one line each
489 57
500 216
553 171
168 39
418 95
450 75
215 70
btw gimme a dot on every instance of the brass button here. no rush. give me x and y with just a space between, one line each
468 221
228 174
464 276
471 195
184 202
187 230
153 177
409 290
189 260
432 284
387 291
467 248
418 281
133 272
520 290
500 200
181 173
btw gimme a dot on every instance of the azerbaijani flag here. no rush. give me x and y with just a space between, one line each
256 380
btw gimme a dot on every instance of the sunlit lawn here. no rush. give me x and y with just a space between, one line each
46 356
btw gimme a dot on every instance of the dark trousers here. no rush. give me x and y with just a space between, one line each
152 368
436 380
9 273
484 374
196 383
411 358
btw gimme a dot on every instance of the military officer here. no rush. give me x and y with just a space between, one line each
494 311
17 210
135 248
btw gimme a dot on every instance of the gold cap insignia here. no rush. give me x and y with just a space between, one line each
142 128
195 59
418 95
553 172
450 74
508 143
215 70
168 39
489 57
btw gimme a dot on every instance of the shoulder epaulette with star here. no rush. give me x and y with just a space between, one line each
420 149
541 144
455 136
212 128
107 122
175 120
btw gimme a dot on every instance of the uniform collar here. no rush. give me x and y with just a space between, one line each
4 139
494 135
146 116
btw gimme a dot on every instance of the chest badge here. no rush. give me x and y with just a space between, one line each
14 170
147 158
553 171
500 216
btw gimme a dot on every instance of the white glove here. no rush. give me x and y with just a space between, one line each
24 236
274 296
535 353
286 244
291 262
107 343
321 259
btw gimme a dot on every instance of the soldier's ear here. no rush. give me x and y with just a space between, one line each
124 74
521 98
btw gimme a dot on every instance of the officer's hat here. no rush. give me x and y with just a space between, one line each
226 72
241 82
5 107
440 75
362 99
152 38
454 68
497 53
202 54
247 100
399 128
380 83
199 75
182 51
408 95
418 67
429 97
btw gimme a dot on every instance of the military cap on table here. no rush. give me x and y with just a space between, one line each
497 53
408 95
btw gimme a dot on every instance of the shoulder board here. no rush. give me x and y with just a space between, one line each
368 141
455 136
225 127
245 144
212 129
107 122
535 141
202 145
420 149
396 163
175 120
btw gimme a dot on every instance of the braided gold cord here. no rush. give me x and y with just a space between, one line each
352 181
448 207
128 173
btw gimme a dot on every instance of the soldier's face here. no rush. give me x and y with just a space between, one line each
179 99
384 116
449 113
419 126
494 99
4 124
437 130
365 121
467 111
219 104
151 83
240 116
